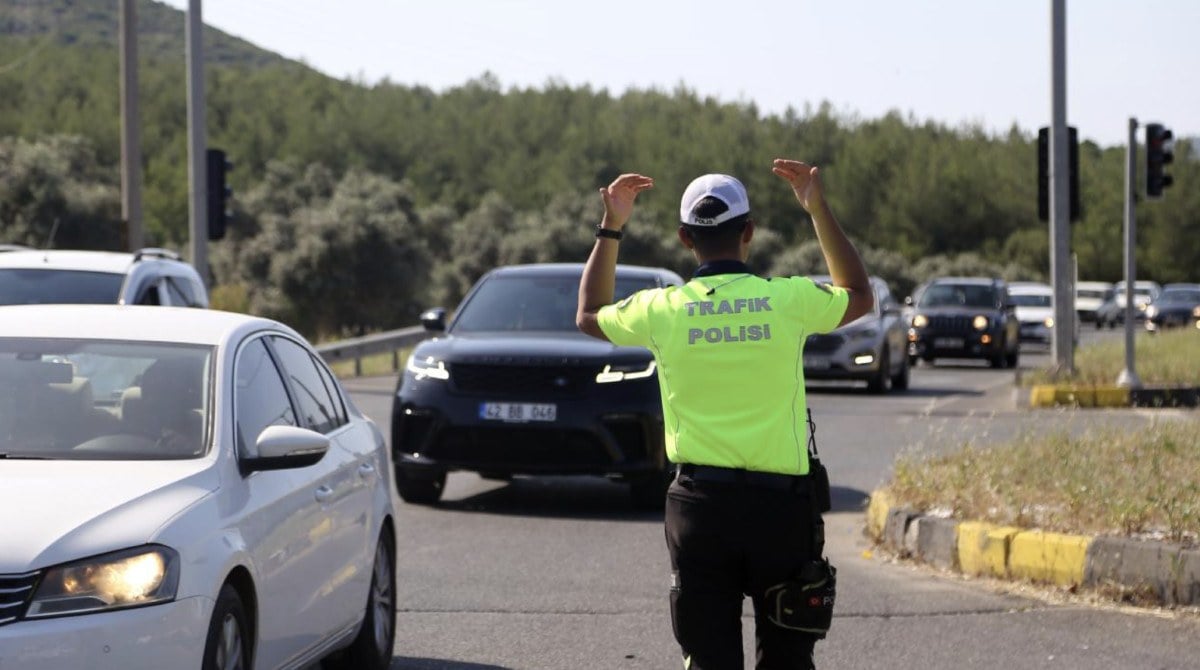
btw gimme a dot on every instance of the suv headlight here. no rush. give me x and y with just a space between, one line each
980 322
619 372
127 578
427 366
920 321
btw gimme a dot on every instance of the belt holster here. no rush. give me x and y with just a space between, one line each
821 495
805 602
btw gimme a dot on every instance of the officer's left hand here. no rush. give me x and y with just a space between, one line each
619 196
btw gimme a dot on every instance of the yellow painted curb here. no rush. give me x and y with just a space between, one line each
1072 395
1048 557
1041 395
877 513
1112 396
983 548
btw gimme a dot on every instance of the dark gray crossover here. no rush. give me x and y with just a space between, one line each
965 317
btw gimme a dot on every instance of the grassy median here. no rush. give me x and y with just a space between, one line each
1106 481
1169 358
1142 482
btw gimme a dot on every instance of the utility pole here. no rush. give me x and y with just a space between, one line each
197 142
1128 377
131 146
1063 343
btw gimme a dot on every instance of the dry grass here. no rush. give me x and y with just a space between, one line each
1135 483
1167 358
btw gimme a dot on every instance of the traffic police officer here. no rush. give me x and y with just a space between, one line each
740 515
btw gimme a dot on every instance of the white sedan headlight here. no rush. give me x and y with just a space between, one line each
624 371
128 578
980 322
427 367
1049 322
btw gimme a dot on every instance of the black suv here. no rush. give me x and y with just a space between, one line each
513 388
964 317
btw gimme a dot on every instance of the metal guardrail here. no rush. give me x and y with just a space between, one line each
358 347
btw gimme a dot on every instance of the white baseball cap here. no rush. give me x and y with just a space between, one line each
720 186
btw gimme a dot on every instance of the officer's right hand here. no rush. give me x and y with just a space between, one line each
805 181
619 196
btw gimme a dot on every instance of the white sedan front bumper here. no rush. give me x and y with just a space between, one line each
170 635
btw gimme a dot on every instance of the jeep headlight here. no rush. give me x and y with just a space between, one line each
920 321
128 578
619 372
980 322
427 367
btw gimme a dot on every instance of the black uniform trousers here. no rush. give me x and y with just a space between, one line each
730 534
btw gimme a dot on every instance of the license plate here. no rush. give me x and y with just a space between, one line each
518 412
816 363
948 343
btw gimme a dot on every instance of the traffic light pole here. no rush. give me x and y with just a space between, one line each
1128 377
197 167
1063 341
131 149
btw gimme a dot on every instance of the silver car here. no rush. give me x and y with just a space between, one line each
872 348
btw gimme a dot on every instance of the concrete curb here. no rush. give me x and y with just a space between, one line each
1100 395
1165 573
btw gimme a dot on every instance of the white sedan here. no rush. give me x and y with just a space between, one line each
186 488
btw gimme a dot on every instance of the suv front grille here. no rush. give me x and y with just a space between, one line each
15 591
951 324
521 379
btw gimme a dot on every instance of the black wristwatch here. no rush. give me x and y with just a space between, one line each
609 233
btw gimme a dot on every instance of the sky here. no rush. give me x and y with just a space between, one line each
959 62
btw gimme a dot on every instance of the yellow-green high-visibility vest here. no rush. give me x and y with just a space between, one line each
729 349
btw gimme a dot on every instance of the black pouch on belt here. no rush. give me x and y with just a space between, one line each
805 602
821 495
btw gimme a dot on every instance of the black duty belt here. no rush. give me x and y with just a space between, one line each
770 480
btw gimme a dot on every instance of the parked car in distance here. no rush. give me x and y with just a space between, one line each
511 387
964 317
1034 305
1178 305
1112 314
872 348
186 488
1089 295
60 276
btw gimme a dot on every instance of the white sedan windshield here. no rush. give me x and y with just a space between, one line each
92 399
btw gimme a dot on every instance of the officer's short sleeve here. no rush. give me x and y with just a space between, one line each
627 323
823 304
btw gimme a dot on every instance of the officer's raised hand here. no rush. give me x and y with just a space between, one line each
805 181
619 196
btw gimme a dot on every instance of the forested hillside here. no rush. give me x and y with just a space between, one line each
357 205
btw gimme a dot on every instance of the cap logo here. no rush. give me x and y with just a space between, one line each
704 221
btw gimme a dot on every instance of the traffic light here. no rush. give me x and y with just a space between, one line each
1158 155
1044 173
219 193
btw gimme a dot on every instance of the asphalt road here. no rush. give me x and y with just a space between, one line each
556 573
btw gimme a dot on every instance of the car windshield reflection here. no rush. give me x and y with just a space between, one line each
103 400
956 295
530 303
